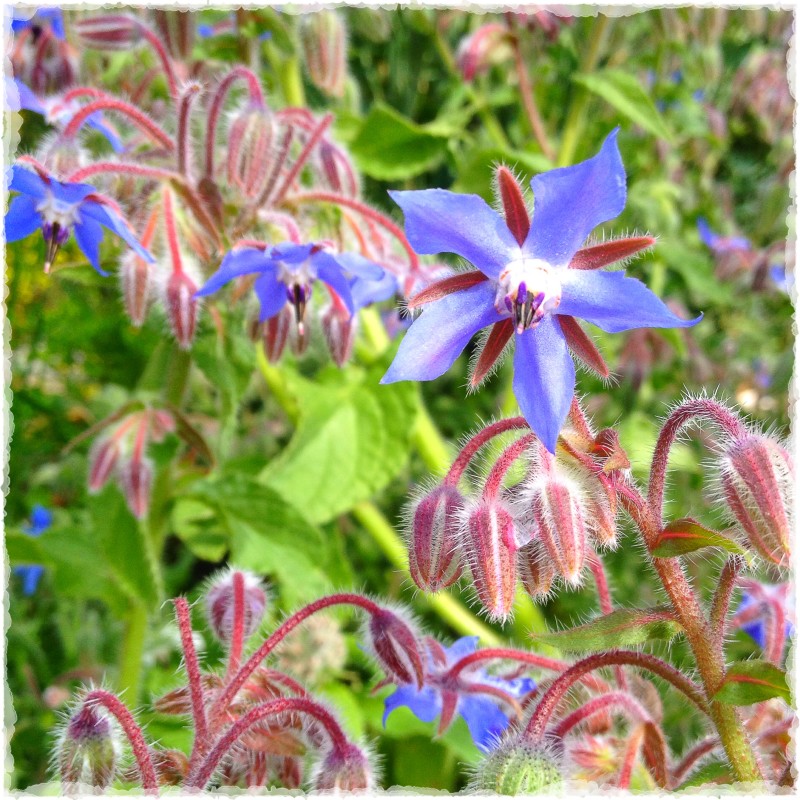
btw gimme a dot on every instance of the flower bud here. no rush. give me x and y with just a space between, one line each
182 307
137 277
276 334
757 478
477 52
289 772
434 559
108 32
344 769
601 513
396 647
136 481
537 570
220 604
250 139
339 328
88 749
337 170
324 41
516 767
490 546
176 29
103 459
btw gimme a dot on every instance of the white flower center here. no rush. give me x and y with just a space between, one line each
528 289
57 212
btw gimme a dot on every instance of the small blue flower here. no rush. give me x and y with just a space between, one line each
41 520
61 208
765 614
485 719
287 272
529 285
718 243
54 16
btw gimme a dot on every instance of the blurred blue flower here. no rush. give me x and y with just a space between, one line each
529 284
718 243
53 16
41 519
61 208
765 613
480 710
781 277
287 272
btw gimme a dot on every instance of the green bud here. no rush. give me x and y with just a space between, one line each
88 749
516 767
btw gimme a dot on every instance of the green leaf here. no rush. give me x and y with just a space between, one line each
24 549
748 682
622 628
351 440
624 92
391 147
196 525
686 535
708 773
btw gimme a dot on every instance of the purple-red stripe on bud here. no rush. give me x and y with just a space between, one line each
103 460
136 481
182 307
434 559
88 749
338 325
138 284
276 334
250 150
220 604
109 32
345 769
489 543
396 647
537 570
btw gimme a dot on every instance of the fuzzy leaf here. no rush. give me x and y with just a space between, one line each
748 682
622 628
687 535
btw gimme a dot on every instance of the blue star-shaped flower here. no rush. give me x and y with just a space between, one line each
287 272
529 285
480 710
60 209
41 520
765 614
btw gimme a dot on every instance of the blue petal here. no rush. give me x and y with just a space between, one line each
27 99
108 217
441 332
360 267
271 295
97 122
544 379
329 271
88 235
486 722
22 218
425 703
461 648
41 520
569 203
291 253
56 21
516 687
707 236
242 261
365 292
757 631
27 182
438 221
30 576
615 303
71 193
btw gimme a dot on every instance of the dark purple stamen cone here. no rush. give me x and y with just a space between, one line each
757 479
490 547
88 750
220 605
537 570
344 770
396 647
339 328
434 559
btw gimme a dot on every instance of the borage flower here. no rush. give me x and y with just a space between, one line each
61 208
476 696
30 574
532 282
766 615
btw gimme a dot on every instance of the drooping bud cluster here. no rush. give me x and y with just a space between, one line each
348 770
396 646
221 603
89 749
41 57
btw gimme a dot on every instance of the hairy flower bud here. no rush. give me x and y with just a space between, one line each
176 29
109 31
537 570
136 481
516 767
276 333
181 306
88 749
396 647
490 545
434 559
324 40
339 327
138 283
757 478
486 46
103 459
344 770
221 603
250 146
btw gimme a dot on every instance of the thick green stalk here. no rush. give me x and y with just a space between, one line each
130 668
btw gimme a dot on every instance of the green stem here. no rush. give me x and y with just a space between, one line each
130 670
431 445
287 69
277 385
576 118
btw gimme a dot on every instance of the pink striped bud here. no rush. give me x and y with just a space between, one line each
757 480
537 570
337 170
176 29
250 150
345 769
339 327
181 307
103 459
88 749
324 41
601 513
161 423
490 546
136 481
138 284
396 647
109 32
276 333
477 52
220 604
559 511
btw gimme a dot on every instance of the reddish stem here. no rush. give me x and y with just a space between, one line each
123 168
247 669
494 482
286 221
172 233
722 599
139 118
606 604
141 752
192 666
189 95
84 91
305 154
163 56
579 419
237 635
280 159
693 756
621 700
632 748
537 725
273 708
